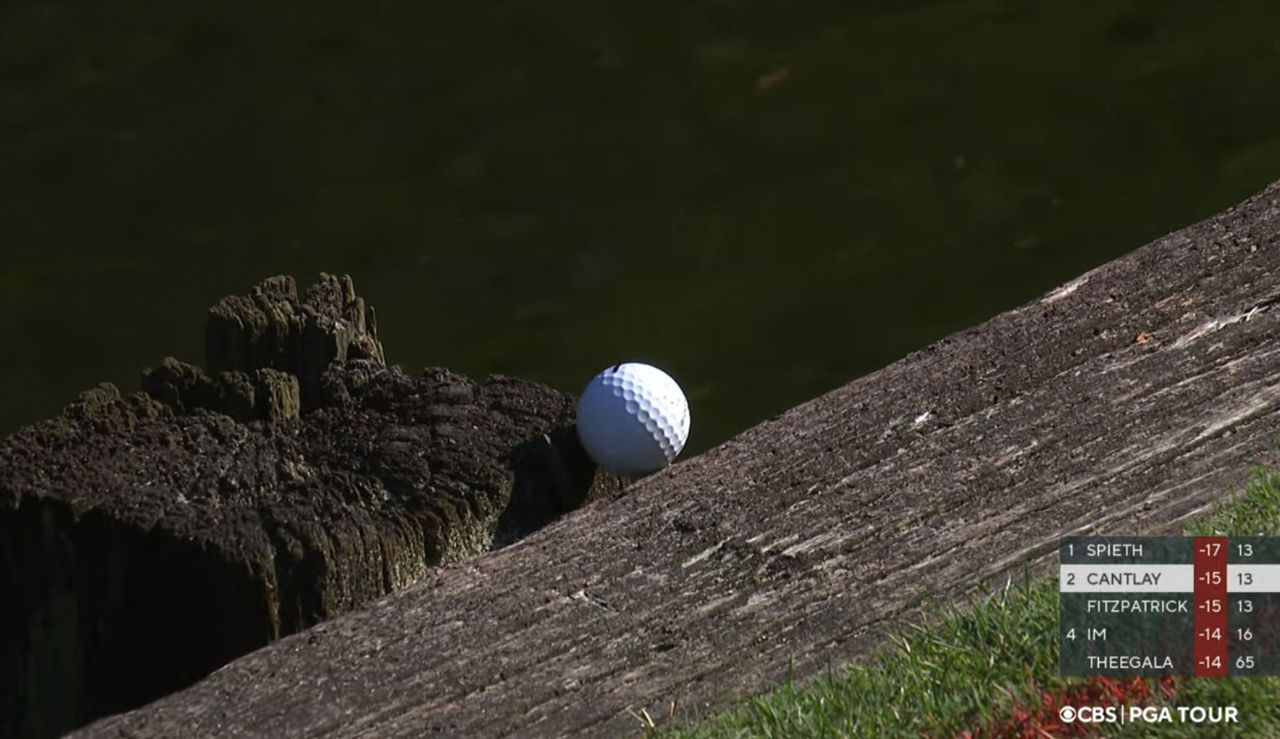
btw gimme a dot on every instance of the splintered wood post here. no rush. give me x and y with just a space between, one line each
145 540
1124 401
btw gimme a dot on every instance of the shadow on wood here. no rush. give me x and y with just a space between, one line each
1124 401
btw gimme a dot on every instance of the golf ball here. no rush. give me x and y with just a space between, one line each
633 419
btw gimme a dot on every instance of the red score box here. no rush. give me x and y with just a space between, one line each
1210 599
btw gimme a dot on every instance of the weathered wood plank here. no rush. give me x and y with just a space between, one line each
1124 401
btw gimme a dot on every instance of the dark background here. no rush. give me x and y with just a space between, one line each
766 198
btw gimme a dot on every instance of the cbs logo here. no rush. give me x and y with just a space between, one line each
1089 714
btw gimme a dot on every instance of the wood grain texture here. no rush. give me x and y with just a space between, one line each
1124 401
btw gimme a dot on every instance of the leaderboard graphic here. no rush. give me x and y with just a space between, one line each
1178 606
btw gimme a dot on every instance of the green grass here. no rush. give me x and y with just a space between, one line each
1255 512
965 664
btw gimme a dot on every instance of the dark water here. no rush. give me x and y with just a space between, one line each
768 199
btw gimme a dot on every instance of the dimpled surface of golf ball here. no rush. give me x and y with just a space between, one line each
633 419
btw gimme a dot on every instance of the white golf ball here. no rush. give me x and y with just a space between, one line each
633 419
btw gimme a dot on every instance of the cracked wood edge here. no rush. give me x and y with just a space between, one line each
1124 401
